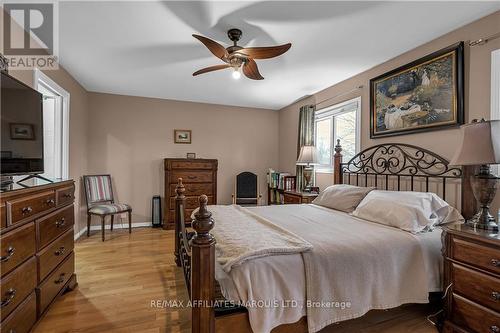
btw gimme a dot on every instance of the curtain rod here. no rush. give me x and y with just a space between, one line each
482 41
342 94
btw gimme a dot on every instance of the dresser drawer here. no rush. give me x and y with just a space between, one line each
192 202
22 319
54 254
191 165
65 196
187 215
484 257
483 289
49 289
17 285
23 208
193 189
191 176
16 246
474 317
54 225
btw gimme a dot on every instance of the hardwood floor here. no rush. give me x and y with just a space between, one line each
119 278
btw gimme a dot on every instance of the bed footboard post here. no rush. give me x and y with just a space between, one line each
203 271
337 164
180 203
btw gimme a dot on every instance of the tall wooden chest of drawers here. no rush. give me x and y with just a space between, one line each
199 176
472 277
36 248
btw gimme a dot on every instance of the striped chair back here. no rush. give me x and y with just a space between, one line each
98 189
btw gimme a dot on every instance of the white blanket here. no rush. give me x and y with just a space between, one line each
354 266
253 238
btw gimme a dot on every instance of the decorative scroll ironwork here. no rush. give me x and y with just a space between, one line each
185 250
400 160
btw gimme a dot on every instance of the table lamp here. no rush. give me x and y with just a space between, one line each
308 158
481 146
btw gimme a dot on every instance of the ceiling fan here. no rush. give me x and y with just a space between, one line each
237 57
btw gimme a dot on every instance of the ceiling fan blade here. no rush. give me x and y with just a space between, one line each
210 69
251 70
218 50
265 52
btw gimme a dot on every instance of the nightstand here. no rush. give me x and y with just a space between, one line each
472 270
294 197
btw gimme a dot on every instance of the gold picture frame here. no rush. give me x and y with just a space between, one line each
182 136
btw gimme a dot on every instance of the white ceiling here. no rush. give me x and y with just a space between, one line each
146 48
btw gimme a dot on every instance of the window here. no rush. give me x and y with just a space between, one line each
340 121
55 127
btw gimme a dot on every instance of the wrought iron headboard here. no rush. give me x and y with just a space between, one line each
397 162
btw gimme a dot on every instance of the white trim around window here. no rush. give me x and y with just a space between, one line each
331 112
40 78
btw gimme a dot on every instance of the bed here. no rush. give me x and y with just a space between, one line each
341 270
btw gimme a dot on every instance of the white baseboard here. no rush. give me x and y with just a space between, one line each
115 226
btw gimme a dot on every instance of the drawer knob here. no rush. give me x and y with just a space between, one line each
61 223
495 262
67 195
192 177
60 251
26 210
9 296
494 329
50 202
61 279
495 296
10 253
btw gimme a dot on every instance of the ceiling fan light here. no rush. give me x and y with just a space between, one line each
236 74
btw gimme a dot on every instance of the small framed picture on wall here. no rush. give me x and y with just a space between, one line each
182 136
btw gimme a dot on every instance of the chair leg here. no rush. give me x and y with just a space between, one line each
130 222
112 219
89 217
103 219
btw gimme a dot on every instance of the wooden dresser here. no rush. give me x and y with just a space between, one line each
294 197
36 242
199 176
472 268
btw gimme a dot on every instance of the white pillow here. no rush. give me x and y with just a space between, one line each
410 211
342 197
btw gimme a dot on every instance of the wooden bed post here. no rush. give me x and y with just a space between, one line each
337 164
203 271
180 203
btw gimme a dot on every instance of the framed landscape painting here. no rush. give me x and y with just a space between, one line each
427 94
182 136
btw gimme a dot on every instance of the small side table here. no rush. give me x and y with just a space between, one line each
294 197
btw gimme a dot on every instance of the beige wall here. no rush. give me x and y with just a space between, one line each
78 124
477 103
130 136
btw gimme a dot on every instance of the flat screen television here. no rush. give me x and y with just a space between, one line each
22 128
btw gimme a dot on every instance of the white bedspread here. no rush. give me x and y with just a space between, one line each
354 266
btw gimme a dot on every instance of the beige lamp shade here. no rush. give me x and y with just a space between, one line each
308 155
480 144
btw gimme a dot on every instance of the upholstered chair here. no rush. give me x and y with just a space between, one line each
246 189
100 201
